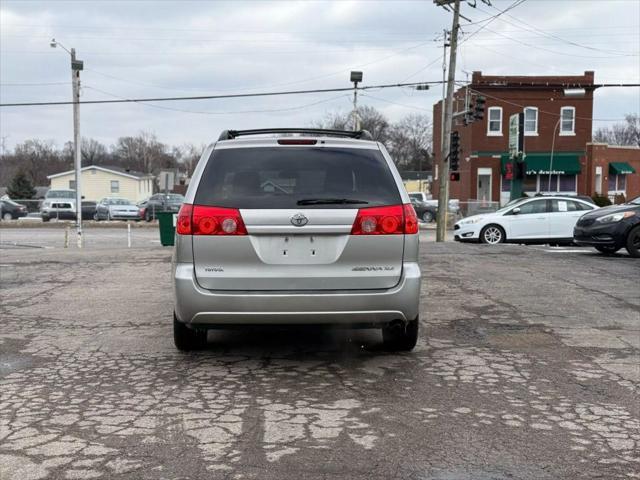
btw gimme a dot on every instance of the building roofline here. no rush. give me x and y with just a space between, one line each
104 169
532 81
629 147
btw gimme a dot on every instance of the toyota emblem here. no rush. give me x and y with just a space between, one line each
299 220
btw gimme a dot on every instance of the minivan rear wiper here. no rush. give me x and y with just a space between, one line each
330 201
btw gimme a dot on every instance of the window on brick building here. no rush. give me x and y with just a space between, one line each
531 121
568 121
494 121
617 182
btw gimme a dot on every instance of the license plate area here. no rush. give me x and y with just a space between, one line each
298 249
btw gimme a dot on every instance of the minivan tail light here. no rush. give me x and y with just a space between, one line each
183 223
203 220
217 221
379 221
391 220
410 219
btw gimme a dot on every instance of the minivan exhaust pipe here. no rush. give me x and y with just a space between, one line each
396 326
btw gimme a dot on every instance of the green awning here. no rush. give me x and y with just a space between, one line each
540 163
621 168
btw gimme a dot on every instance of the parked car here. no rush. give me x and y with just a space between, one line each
10 210
419 196
527 220
60 204
114 208
585 198
88 210
611 228
310 229
426 212
160 202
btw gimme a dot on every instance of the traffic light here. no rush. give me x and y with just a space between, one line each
478 108
454 151
454 176
520 170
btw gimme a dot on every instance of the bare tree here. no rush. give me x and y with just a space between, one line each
188 155
38 158
143 153
370 119
410 142
621 133
93 152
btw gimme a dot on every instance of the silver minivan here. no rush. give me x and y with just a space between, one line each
296 227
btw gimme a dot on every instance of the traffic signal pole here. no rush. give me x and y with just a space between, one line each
443 192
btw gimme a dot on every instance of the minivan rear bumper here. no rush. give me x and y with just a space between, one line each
205 308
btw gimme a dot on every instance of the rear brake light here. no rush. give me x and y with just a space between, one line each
217 221
296 141
392 220
410 219
183 223
203 220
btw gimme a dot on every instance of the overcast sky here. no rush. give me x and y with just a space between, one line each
137 48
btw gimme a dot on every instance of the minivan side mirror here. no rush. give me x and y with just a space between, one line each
516 211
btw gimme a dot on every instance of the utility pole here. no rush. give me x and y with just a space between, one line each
443 193
76 67
75 77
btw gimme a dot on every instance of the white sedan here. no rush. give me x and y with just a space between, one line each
527 220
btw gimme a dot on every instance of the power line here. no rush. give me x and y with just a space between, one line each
556 52
35 84
550 35
435 60
285 84
493 18
218 97
286 109
396 103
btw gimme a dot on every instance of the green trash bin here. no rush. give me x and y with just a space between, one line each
167 223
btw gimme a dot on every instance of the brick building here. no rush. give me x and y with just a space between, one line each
612 170
548 109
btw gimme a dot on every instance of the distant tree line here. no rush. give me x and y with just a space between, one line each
35 159
30 162
408 140
627 133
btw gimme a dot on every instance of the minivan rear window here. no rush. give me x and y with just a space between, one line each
292 177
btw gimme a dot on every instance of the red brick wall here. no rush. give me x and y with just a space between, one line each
601 155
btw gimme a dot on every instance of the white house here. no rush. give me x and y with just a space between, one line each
98 182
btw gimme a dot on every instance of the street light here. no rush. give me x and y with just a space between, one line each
76 66
569 93
356 77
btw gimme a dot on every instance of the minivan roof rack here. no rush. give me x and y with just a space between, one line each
359 134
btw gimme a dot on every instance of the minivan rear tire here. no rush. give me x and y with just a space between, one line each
187 339
398 339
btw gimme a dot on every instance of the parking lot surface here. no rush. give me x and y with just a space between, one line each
527 367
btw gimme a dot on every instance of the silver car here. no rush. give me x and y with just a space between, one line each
113 208
296 226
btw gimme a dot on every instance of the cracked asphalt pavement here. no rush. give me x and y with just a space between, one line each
527 367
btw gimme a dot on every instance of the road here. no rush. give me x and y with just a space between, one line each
527 368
